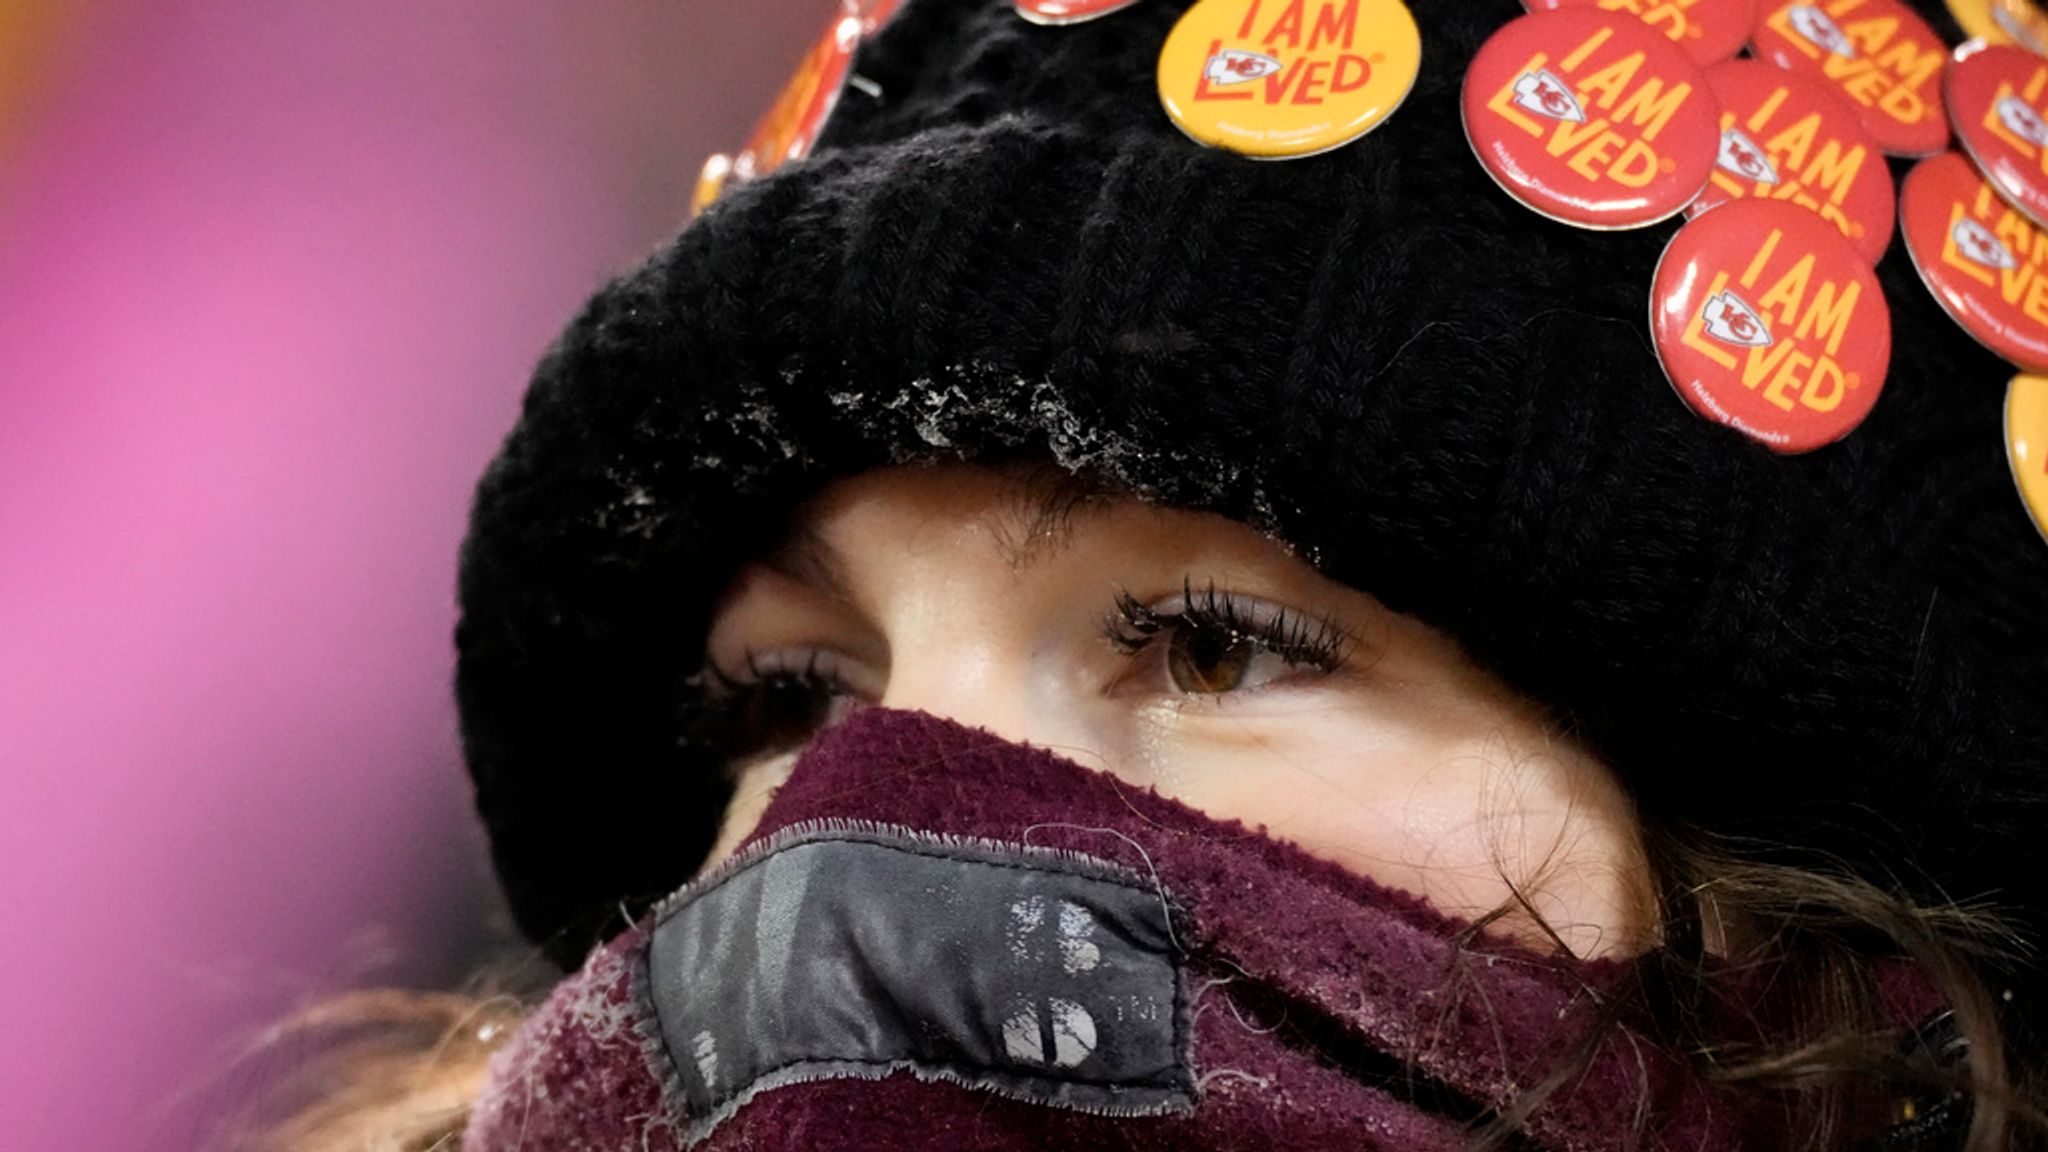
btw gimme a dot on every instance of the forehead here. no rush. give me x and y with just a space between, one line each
1023 515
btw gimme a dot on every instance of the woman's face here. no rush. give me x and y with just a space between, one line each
1187 653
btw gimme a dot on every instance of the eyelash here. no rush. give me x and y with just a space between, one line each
1298 638
819 673
769 705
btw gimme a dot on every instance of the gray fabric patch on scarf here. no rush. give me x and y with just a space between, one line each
839 952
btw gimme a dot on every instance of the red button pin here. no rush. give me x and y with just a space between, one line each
1068 11
791 125
1770 321
1710 31
1998 99
873 14
1787 137
1985 262
1878 54
1591 118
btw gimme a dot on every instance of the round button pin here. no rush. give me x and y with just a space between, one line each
1768 320
1068 11
791 125
1985 262
874 14
2020 22
1591 118
1788 137
1710 31
710 182
1998 98
1878 54
2026 444
1278 79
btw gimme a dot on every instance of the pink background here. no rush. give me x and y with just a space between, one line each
271 280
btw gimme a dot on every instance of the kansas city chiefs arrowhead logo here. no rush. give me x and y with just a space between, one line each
1740 155
1814 24
2022 121
1236 66
1976 242
1731 320
1543 93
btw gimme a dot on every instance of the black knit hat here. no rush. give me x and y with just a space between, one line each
1003 250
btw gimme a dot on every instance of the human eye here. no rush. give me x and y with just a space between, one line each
778 700
1213 642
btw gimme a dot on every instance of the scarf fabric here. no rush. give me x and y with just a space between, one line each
938 939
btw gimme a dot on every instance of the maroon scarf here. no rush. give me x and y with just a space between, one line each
938 939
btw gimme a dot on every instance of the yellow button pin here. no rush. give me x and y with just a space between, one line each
2026 443
1277 79
2020 22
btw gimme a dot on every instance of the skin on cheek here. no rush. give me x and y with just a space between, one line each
1381 746
1469 805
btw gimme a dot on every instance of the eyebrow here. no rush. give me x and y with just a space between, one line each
807 558
1045 504
1033 522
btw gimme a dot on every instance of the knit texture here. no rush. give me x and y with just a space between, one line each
1436 395
1327 1011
